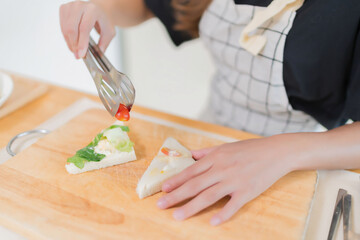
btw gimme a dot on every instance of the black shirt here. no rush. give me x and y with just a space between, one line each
321 68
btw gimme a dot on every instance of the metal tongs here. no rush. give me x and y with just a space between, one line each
342 207
114 88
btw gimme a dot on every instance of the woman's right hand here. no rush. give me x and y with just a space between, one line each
77 19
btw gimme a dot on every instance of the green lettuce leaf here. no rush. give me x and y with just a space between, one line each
124 128
117 138
96 140
84 155
77 161
89 154
125 146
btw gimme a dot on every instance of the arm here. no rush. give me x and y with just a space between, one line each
78 18
125 13
245 169
335 149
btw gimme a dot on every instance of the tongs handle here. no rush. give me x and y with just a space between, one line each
100 56
338 209
346 215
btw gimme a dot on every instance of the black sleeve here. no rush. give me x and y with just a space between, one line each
163 10
322 61
352 106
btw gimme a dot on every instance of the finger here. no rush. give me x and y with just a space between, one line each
70 28
87 23
189 189
68 44
190 172
62 26
107 33
202 201
197 154
235 203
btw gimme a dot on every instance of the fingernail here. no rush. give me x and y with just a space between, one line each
179 214
166 187
81 53
161 203
215 221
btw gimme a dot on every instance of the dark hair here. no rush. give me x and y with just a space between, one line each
188 14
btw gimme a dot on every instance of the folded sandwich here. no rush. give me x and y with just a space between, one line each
170 160
110 147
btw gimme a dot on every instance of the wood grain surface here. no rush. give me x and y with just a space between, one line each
24 92
58 98
40 200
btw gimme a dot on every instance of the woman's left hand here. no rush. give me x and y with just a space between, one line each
242 170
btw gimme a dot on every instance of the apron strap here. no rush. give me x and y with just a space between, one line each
255 43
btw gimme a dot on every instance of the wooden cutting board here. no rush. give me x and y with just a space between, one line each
40 200
24 92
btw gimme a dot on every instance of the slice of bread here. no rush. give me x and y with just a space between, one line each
112 156
111 160
163 167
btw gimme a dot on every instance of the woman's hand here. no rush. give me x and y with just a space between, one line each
242 170
77 19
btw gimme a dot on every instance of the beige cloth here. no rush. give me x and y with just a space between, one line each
255 43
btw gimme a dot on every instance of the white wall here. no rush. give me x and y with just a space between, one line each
31 43
166 78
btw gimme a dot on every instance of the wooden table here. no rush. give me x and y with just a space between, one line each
297 188
59 98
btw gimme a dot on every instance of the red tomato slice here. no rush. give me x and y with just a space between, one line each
122 113
170 153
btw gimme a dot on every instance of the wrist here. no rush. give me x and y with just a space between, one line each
106 7
300 151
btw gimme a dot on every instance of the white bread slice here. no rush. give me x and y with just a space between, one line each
112 158
163 167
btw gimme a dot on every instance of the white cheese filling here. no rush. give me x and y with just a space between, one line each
104 147
113 157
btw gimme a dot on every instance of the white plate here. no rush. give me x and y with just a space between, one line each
6 87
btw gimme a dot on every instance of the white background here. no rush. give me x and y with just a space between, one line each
166 78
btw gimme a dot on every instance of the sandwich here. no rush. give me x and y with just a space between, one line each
171 159
110 147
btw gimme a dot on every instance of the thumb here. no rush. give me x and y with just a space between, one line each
107 33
